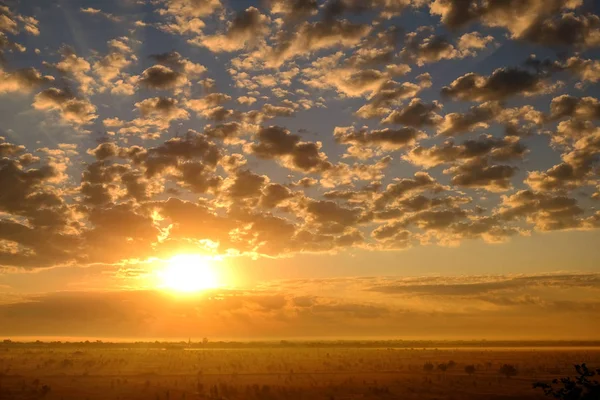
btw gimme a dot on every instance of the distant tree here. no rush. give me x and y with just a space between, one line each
45 390
442 367
508 370
451 364
582 387
470 369
428 367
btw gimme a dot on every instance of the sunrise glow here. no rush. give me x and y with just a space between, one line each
188 273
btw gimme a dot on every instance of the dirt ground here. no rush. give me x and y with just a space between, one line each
280 373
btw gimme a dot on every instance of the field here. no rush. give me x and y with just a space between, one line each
273 372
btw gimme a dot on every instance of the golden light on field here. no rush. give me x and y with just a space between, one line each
188 273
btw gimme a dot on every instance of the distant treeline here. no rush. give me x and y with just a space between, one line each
207 344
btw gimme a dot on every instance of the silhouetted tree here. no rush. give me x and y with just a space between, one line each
470 369
45 390
508 370
442 367
428 367
582 387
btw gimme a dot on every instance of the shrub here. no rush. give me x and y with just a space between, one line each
508 370
428 367
470 369
582 387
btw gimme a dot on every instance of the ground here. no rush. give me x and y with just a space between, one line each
272 373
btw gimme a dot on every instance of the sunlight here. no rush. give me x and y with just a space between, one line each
188 273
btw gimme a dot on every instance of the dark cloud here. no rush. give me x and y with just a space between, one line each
568 29
403 186
577 168
162 78
416 114
385 139
484 147
275 142
500 85
585 108
519 17
548 212
476 117
429 49
479 174
309 37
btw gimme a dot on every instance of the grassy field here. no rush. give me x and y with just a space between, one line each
270 373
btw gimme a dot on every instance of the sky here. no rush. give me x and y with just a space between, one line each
300 168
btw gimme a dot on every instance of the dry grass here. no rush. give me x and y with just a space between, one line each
277 373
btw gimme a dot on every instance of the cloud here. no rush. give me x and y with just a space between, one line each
22 80
474 41
190 8
95 11
243 184
347 81
162 78
585 108
402 186
586 70
274 194
249 26
392 93
577 166
208 102
72 110
163 109
295 9
483 285
546 211
568 29
386 139
345 174
476 117
518 120
119 57
485 146
500 85
518 17
275 142
13 22
417 305
479 174
310 37
434 48
416 114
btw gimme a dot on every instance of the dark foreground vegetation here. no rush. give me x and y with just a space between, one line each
288 371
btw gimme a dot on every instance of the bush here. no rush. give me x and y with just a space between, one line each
508 370
428 367
582 387
470 369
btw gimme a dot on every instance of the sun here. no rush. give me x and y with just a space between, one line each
189 273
